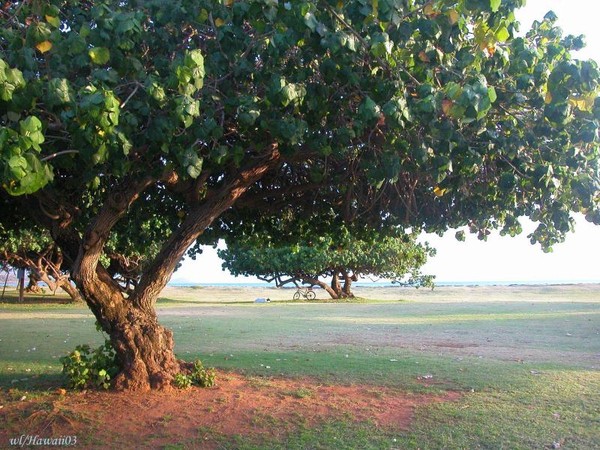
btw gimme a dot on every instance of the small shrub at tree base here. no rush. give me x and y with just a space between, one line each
202 376
85 368
182 381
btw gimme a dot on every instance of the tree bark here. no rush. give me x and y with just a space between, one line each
316 282
348 279
65 285
335 284
45 267
144 348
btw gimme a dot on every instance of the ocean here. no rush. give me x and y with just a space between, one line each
389 284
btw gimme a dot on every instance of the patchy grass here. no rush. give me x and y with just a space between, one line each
527 368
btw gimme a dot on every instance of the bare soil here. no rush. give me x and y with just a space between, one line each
252 407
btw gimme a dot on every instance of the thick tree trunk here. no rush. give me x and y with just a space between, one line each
145 352
33 286
145 348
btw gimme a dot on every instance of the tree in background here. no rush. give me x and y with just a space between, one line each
341 256
418 114
28 246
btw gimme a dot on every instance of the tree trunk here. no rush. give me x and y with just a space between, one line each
144 348
348 279
316 282
33 286
71 290
21 285
335 284
145 352
44 267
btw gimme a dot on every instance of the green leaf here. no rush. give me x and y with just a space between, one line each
352 43
59 92
502 34
54 21
291 93
369 110
194 58
30 125
99 55
10 81
311 21
495 5
17 165
492 94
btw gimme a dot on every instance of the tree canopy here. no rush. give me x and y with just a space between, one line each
200 115
340 256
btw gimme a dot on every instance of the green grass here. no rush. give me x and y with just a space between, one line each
528 371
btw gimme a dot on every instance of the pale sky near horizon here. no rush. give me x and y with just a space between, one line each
500 258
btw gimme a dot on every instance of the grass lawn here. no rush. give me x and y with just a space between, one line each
524 361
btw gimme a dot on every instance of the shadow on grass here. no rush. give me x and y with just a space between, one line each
164 301
38 383
39 301
413 372
11 297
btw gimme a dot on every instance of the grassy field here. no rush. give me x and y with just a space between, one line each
525 360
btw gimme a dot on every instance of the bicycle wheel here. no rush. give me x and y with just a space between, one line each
297 296
311 295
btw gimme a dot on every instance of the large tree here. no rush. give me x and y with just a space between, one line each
392 113
341 256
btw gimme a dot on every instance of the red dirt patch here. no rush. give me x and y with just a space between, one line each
268 407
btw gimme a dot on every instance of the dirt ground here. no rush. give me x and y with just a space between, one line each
238 405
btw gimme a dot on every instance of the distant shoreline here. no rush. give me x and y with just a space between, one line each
360 284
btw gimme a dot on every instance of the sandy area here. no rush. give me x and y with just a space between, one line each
545 293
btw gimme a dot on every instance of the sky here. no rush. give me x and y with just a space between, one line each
501 259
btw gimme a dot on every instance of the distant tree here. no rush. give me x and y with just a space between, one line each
340 256
28 246
418 114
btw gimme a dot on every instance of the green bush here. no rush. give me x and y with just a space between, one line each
182 381
85 368
200 376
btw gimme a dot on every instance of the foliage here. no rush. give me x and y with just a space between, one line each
460 113
203 376
396 256
182 381
87 368
200 376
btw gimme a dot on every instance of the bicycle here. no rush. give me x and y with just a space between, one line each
305 292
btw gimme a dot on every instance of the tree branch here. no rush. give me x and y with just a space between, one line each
89 275
54 155
200 217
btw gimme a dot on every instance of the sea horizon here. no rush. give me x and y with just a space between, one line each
384 284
